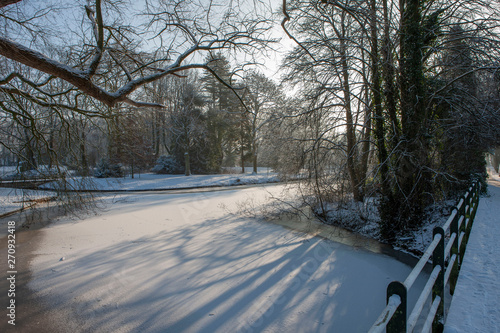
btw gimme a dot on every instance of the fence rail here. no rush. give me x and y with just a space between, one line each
447 251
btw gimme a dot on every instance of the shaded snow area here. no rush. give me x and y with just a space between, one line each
475 307
178 262
6 170
150 181
14 199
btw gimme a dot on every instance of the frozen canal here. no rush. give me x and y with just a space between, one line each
186 263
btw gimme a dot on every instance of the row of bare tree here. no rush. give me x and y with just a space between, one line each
405 93
398 98
203 126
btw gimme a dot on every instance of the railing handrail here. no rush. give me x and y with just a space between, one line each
391 307
393 317
421 263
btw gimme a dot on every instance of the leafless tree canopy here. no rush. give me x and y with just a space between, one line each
83 81
408 83
139 46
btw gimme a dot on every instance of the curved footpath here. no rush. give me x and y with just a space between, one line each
475 307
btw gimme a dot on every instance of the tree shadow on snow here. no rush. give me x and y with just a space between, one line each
221 275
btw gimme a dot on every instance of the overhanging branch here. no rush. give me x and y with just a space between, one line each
4 3
92 74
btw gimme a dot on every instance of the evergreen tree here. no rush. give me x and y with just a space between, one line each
188 128
224 113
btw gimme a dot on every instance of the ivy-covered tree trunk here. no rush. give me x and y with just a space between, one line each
388 73
411 176
386 203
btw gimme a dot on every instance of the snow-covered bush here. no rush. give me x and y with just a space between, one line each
106 170
167 164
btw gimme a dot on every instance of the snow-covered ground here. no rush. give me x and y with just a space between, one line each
475 307
150 181
6 170
43 171
14 199
185 262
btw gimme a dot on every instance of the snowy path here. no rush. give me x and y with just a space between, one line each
185 263
475 307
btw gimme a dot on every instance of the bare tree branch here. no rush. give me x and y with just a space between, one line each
4 3
286 18
188 40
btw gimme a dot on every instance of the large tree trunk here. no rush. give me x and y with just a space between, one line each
365 148
377 104
387 201
350 126
411 179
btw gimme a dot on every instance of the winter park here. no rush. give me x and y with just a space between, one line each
250 166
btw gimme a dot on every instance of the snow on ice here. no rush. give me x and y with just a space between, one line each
163 262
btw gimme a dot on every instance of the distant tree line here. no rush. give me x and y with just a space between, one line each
204 126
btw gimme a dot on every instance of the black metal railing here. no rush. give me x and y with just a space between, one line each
447 250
